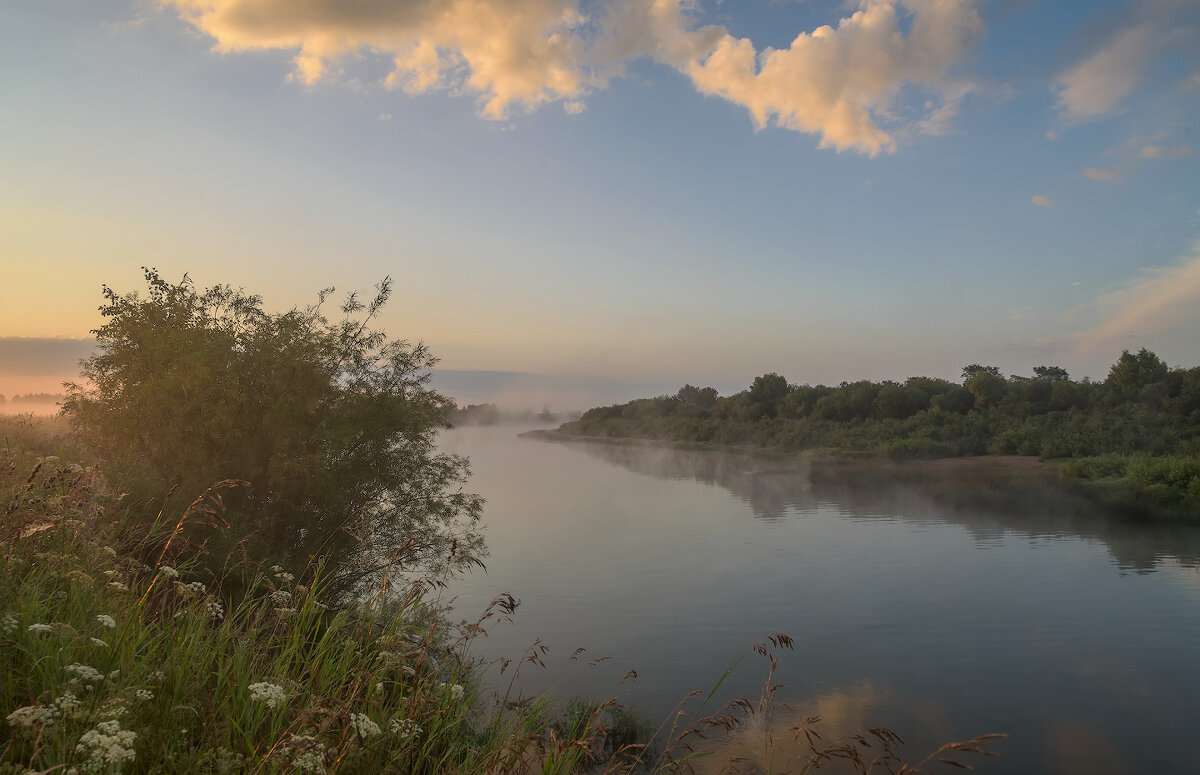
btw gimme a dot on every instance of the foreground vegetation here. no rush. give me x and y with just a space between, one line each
122 651
217 560
1136 434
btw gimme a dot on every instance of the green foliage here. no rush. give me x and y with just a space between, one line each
703 398
1051 373
1143 408
330 422
1133 373
118 654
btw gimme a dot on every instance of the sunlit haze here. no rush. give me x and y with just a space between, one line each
610 198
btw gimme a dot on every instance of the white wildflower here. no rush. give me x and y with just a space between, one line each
456 692
284 577
84 672
276 569
144 694
312 760
405 727
114 675
379 688
107 744
38 628
107 621
67 703
285 611
281 596
159 676
215 610
118 586
363 726
268 693
408 670
31 715
8 624
111 552
98 642
188 590
110 573
168 571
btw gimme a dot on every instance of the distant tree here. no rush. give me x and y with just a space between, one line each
768 388
330 421
972 371
1051 373
986 385
703 398
957 400
1133 373
801 399
766 392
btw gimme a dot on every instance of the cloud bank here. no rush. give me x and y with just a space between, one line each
1161 300
843 83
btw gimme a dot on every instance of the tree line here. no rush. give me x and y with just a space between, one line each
1142 422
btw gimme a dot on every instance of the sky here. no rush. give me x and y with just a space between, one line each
619 196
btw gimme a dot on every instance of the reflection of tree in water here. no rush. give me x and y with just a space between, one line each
987 499
770 487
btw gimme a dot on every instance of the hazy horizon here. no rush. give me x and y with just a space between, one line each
42 365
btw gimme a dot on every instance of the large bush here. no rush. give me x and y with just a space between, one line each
330 421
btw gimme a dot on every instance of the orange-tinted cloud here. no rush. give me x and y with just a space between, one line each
1160 300
839 82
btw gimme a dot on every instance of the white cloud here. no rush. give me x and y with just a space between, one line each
1159 152
574 107
1101 174
1161 300
1099 83
840 83
1041 201
837 82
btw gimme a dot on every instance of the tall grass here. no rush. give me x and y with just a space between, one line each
121 652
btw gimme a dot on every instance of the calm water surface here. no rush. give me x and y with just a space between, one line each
943 611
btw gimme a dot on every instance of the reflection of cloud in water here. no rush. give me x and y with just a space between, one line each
1080 749
777 742
990 499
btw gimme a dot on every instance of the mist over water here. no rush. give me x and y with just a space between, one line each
944 608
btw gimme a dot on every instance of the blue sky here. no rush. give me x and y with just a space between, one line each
632 192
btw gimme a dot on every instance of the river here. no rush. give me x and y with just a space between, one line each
941 610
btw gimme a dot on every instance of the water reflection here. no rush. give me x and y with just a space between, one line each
989 498
943 603
793 737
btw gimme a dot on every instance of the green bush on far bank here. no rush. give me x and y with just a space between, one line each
1144 414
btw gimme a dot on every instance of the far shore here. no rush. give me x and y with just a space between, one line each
820 456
